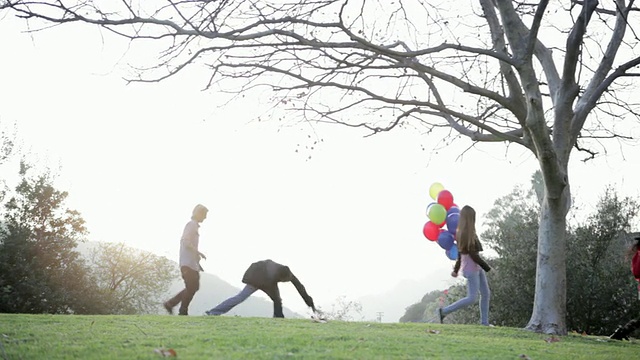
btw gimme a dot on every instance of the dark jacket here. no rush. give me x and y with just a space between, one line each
475 255
266 274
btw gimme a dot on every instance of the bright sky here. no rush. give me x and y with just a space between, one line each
346 216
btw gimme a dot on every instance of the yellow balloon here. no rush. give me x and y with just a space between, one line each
435 189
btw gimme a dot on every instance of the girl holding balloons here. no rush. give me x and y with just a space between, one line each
473 267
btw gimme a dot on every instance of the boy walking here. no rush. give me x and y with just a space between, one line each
189 262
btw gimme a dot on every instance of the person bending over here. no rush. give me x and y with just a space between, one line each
264 275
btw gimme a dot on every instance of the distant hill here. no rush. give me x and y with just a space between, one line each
213 290
393 302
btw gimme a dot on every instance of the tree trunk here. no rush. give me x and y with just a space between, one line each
550 301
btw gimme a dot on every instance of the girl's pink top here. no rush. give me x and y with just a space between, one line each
467 264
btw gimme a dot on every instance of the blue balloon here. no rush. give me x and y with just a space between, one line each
452 253
445 240
429 206
452 222
453 210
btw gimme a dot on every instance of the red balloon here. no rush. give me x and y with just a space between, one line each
445 198
431 231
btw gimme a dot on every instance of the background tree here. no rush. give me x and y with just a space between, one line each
130 281
6 144
6 148
40 272
424 310
512 228
484 69
601 288
414 312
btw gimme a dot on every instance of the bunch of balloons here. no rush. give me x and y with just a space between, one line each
443 217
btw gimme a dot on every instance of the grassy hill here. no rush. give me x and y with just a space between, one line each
202 337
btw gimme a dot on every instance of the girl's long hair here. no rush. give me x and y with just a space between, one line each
466 231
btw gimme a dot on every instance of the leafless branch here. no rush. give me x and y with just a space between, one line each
342 50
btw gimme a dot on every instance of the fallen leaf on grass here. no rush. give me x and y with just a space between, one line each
165 352
552 339
431 331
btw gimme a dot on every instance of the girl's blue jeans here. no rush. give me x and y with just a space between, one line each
476 281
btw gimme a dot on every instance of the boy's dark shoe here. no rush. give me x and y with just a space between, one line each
440 315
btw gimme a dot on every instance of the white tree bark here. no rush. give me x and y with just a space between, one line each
549 306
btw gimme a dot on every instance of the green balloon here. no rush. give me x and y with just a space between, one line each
437 214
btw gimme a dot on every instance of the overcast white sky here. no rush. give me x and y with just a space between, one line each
346 216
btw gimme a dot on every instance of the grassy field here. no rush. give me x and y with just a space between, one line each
199 337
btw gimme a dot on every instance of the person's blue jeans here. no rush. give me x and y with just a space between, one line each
231 302
476 280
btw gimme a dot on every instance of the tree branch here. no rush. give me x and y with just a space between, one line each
601 79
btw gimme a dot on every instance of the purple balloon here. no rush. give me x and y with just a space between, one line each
445 240
453 210
452 222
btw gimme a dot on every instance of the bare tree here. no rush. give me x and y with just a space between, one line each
549 78
130 281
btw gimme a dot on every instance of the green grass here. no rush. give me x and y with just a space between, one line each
199 337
